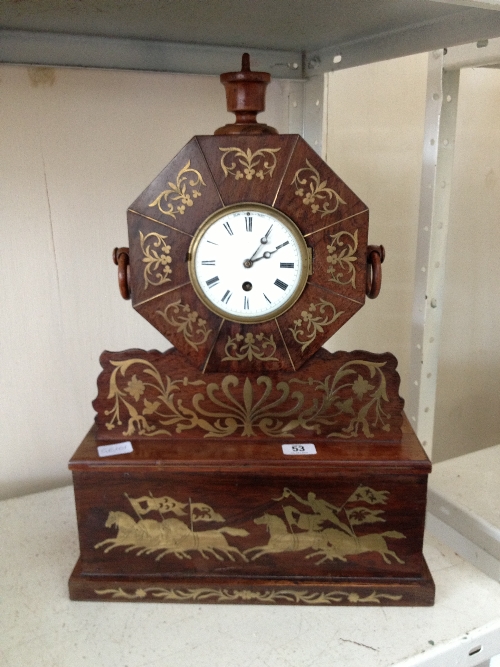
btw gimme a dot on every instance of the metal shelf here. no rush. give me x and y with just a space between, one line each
289 38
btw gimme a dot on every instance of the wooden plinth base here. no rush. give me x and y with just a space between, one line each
387 591
244 522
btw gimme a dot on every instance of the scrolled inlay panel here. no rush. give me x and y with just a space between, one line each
153 395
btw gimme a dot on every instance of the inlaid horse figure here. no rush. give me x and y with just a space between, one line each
281 540
131 534
203 541
171 536
347 545
330 542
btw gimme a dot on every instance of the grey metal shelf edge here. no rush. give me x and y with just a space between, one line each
289 38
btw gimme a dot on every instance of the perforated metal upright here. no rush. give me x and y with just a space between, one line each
437 165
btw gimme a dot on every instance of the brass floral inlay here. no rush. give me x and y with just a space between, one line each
245 163
317 191
344 404
250 347
341 257
294 524
312 322
160 593
155 260
179 192
186 321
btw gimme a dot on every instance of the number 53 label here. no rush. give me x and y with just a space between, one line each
299 449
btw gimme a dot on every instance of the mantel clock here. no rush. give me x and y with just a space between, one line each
259 466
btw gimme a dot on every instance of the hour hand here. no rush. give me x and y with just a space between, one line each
268 253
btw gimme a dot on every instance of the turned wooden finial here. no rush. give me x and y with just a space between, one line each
246 97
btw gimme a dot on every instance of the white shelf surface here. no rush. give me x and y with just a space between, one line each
41 627
464 506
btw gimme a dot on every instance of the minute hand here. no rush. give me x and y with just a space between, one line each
268 253
263 240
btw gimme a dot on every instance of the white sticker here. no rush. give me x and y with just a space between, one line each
113 450
299 449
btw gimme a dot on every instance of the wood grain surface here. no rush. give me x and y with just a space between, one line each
351 397
247 524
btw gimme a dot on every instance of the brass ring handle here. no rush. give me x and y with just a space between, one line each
374 259
121 259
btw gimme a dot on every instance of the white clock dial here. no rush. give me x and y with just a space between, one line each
248 263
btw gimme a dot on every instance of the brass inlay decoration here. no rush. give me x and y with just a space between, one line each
155 260
334 224
160 593
329 529
179 192
159 222
296 523
317 191
341 257
348 402
172 535
246 163
311 322
250 347
186 321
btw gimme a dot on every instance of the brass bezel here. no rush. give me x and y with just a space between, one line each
281 217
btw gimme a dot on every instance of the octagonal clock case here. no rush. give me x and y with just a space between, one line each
247 464
247 243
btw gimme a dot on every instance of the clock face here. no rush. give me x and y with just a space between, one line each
248 263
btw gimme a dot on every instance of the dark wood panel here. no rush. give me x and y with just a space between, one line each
348 523
339 253
185 321
248 168
246 348
374 592
183 194
312 194
350 396
402 457
308 324
157 258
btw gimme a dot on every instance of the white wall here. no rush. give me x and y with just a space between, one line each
375 139
76 148
468 391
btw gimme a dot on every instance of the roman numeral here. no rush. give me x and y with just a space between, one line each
226 296
228 229
208 262
282 245
248 223
279 283
212 242
285 265
246 303
213 281
266 298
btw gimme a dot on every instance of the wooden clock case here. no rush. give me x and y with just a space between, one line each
209 507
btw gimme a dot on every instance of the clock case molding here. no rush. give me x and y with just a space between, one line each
341 527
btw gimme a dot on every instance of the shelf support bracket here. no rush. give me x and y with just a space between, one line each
439 142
